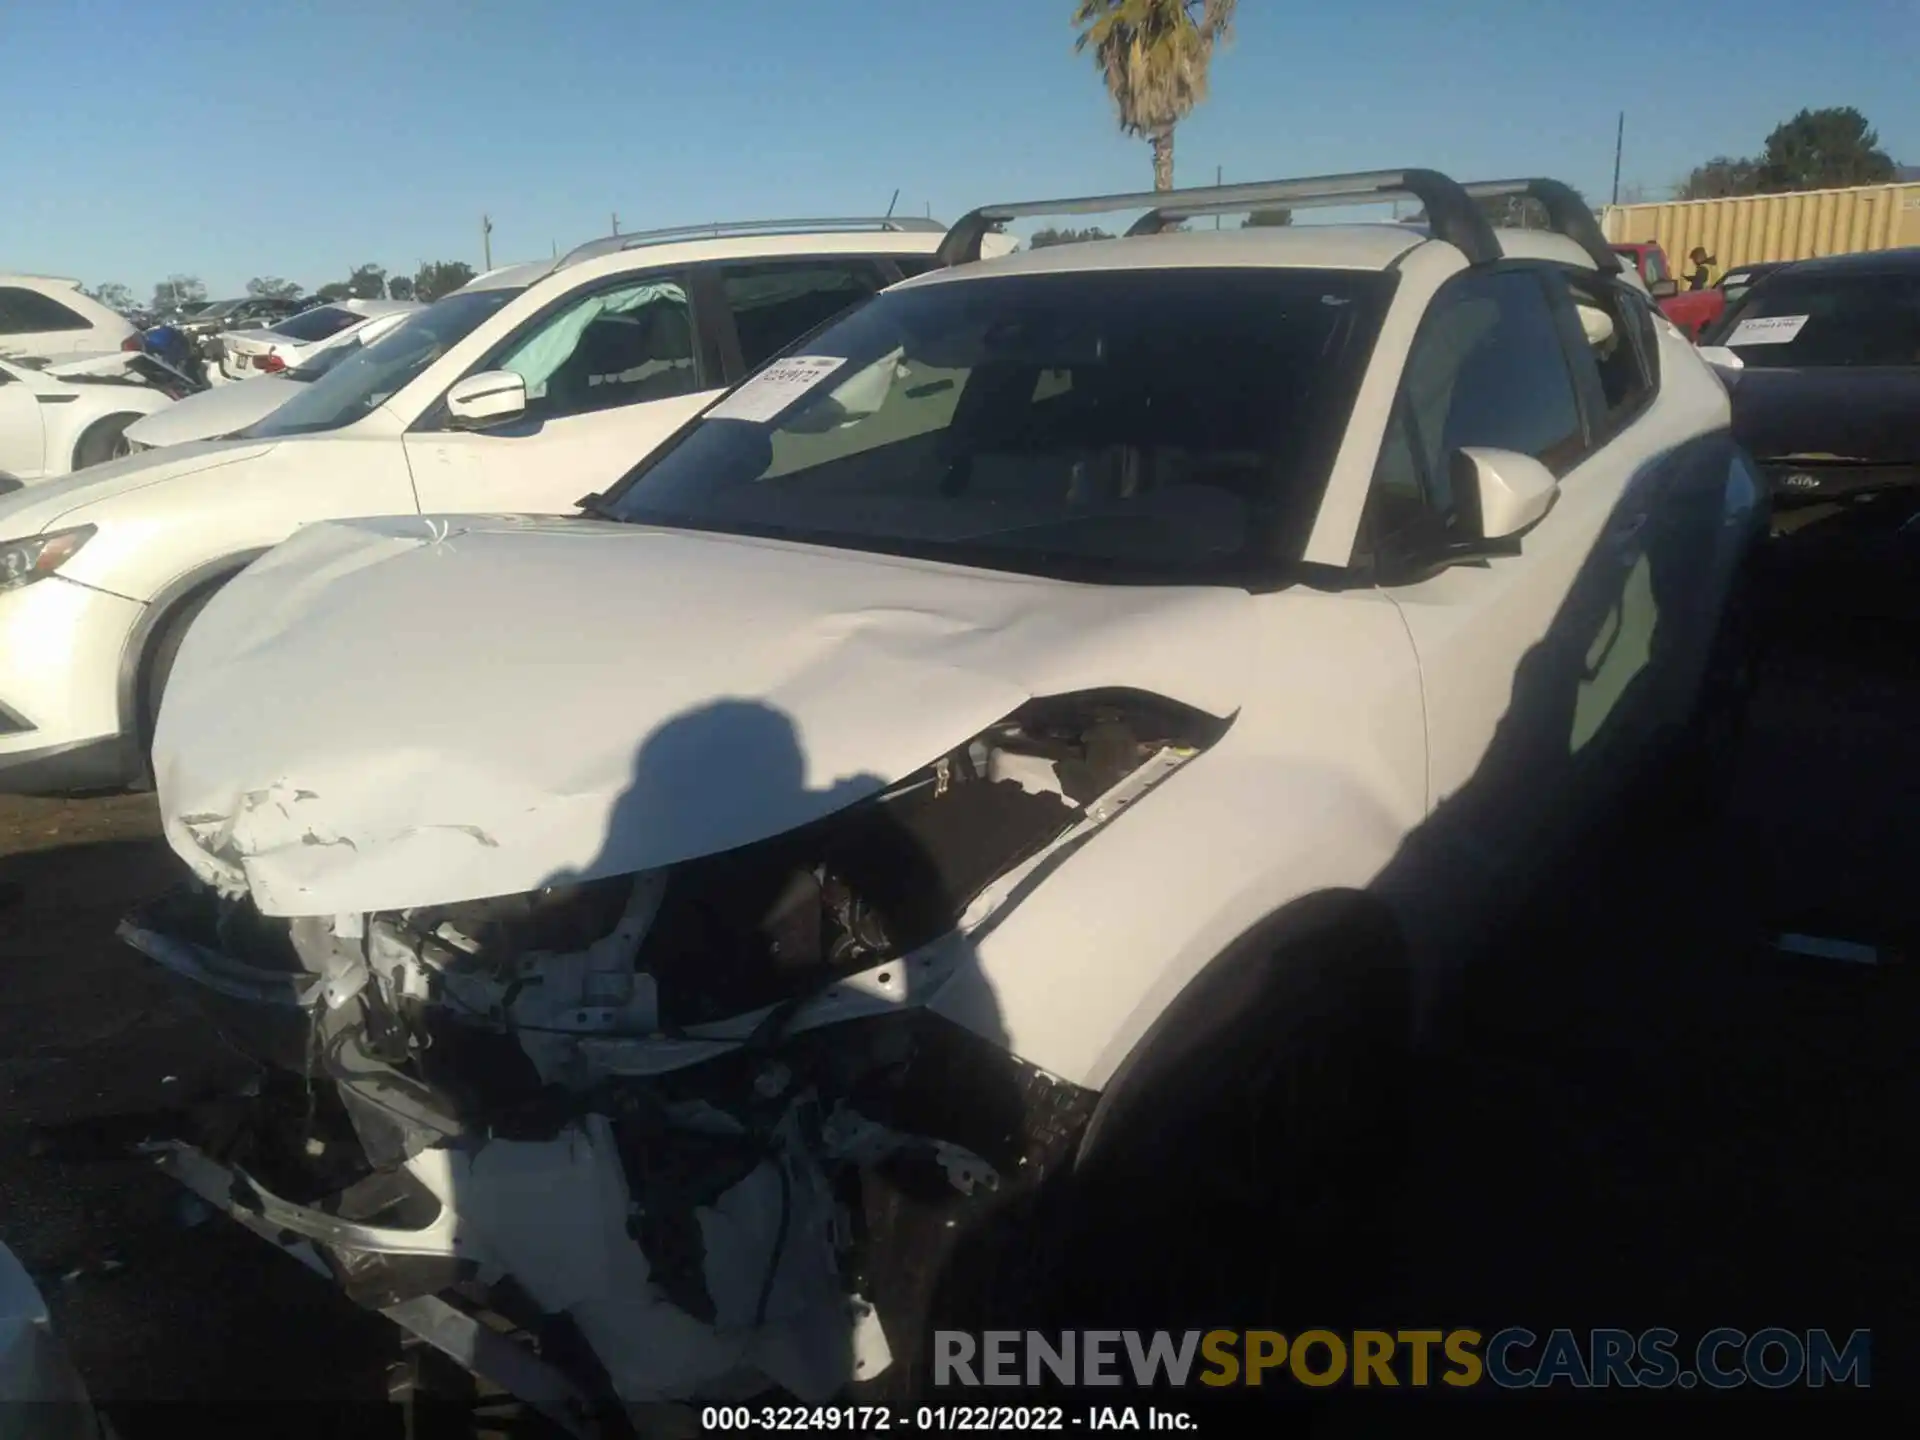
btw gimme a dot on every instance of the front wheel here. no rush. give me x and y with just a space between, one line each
159 668
104 440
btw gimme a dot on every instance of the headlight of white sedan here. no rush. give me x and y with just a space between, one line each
24 561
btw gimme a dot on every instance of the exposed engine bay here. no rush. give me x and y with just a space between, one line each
691 1130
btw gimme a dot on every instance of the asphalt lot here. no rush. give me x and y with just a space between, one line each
1657 1118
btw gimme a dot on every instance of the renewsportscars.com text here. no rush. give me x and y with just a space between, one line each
1513 1358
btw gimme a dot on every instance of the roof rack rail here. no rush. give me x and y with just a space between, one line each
727 229
1567 213
1451 212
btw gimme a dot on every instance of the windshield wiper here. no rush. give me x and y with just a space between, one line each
596 506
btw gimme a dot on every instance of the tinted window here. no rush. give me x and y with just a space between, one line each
1488 368
621 346
28 312
1818 321
1656 266
1165 424
1616 363
318 324
774 305
370 377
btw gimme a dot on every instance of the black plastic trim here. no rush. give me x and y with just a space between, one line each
1567 213
75 768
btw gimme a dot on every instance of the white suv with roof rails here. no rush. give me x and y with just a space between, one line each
999 790
523 391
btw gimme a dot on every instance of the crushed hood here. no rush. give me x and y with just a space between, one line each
40 506
387 713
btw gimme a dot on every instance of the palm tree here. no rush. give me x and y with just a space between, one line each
1154 56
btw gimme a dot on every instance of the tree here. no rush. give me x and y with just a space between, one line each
1261 219
1154 56
1721 178
272 287
1815 150
333 290
1051 236
440 277
367 282
400 287
1824 150
113 295
177 290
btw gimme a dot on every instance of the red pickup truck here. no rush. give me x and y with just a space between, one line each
1691 310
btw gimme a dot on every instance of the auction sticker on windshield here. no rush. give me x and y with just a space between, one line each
775 388
1772 330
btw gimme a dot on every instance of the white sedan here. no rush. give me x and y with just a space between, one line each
225 410
57 418
249 353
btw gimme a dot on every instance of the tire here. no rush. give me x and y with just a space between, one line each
158 668
102 441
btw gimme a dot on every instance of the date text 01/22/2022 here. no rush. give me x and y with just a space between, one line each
970 1419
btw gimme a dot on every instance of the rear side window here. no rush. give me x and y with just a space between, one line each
28 312
318 324
1615 354
775 304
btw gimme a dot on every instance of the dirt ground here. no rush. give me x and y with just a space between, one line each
1658 1118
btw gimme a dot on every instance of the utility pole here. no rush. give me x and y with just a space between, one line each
1217 173
893 202
486 242
1619 140
616 223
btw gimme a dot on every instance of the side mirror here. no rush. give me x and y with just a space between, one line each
1664 289
486 399
1513 492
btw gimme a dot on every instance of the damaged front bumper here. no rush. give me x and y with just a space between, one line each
684 1135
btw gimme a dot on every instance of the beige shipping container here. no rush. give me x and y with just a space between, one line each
1794 226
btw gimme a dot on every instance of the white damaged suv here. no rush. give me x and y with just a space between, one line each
1004 785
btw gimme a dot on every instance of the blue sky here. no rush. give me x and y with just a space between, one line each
235 139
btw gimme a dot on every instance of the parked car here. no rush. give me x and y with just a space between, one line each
248 312
520 392
221 412
1823 360
246 354
1691 310
1739 279
1023 760
58 417
44 315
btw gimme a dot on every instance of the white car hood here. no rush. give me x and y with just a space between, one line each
387 713
219 411
34 509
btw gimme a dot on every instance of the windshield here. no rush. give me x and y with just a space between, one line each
367 377
1161 425
1815 321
